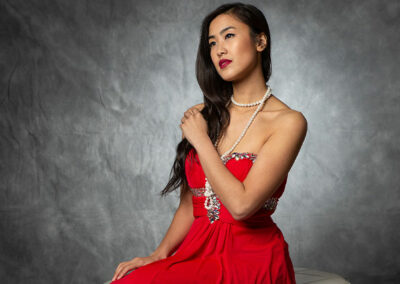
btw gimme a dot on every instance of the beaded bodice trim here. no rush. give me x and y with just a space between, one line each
239 156
270 204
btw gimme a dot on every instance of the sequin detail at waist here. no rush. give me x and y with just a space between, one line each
270 204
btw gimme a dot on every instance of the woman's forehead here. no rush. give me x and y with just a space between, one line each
221 23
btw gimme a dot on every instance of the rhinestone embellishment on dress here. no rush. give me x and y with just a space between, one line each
213 210
213 206
239 156
211 203
270 204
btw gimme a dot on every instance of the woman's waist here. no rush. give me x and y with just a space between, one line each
261 218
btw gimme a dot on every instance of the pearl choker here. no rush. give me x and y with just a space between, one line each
246 105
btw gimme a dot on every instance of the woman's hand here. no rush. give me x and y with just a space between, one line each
194 126
136 262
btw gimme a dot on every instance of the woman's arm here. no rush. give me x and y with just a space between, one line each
176 233
274 160
179 227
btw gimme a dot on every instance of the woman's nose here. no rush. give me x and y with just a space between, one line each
221 52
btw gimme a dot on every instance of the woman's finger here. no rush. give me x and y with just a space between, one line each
118 271
124 271
115 275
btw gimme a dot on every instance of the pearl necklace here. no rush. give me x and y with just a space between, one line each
246 105
211 203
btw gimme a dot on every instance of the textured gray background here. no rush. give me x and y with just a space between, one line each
92 93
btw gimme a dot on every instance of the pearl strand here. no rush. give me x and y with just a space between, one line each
211 203
266 96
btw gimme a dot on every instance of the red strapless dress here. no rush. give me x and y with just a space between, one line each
226 250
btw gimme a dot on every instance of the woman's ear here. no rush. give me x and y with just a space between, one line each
261 42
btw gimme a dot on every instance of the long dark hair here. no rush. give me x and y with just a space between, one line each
216 91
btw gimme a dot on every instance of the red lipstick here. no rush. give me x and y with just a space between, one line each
224 62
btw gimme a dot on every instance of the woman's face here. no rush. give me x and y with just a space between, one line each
230 39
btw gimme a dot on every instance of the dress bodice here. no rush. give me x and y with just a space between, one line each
239 164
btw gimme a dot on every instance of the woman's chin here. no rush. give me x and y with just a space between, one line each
230 77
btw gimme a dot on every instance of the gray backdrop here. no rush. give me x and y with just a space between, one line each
92 93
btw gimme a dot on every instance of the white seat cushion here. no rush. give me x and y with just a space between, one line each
307 275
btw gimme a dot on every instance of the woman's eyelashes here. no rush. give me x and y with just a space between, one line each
211 43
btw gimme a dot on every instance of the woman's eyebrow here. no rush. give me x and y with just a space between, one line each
223 30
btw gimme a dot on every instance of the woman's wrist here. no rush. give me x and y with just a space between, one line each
204 143
159 254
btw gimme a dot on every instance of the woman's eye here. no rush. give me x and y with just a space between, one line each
211 43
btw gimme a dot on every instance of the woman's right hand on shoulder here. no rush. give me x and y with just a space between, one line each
199 107
134 263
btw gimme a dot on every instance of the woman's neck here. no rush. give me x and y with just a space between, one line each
249 92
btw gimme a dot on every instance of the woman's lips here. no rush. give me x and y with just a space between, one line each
224 63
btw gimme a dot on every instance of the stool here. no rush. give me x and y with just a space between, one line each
307 275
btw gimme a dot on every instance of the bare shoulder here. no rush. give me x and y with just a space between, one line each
279 115
291 116
291 120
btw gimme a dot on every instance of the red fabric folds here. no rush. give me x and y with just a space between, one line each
250 251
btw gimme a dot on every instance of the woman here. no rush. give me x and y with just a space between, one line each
222 231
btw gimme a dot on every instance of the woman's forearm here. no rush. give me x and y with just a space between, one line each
177 231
